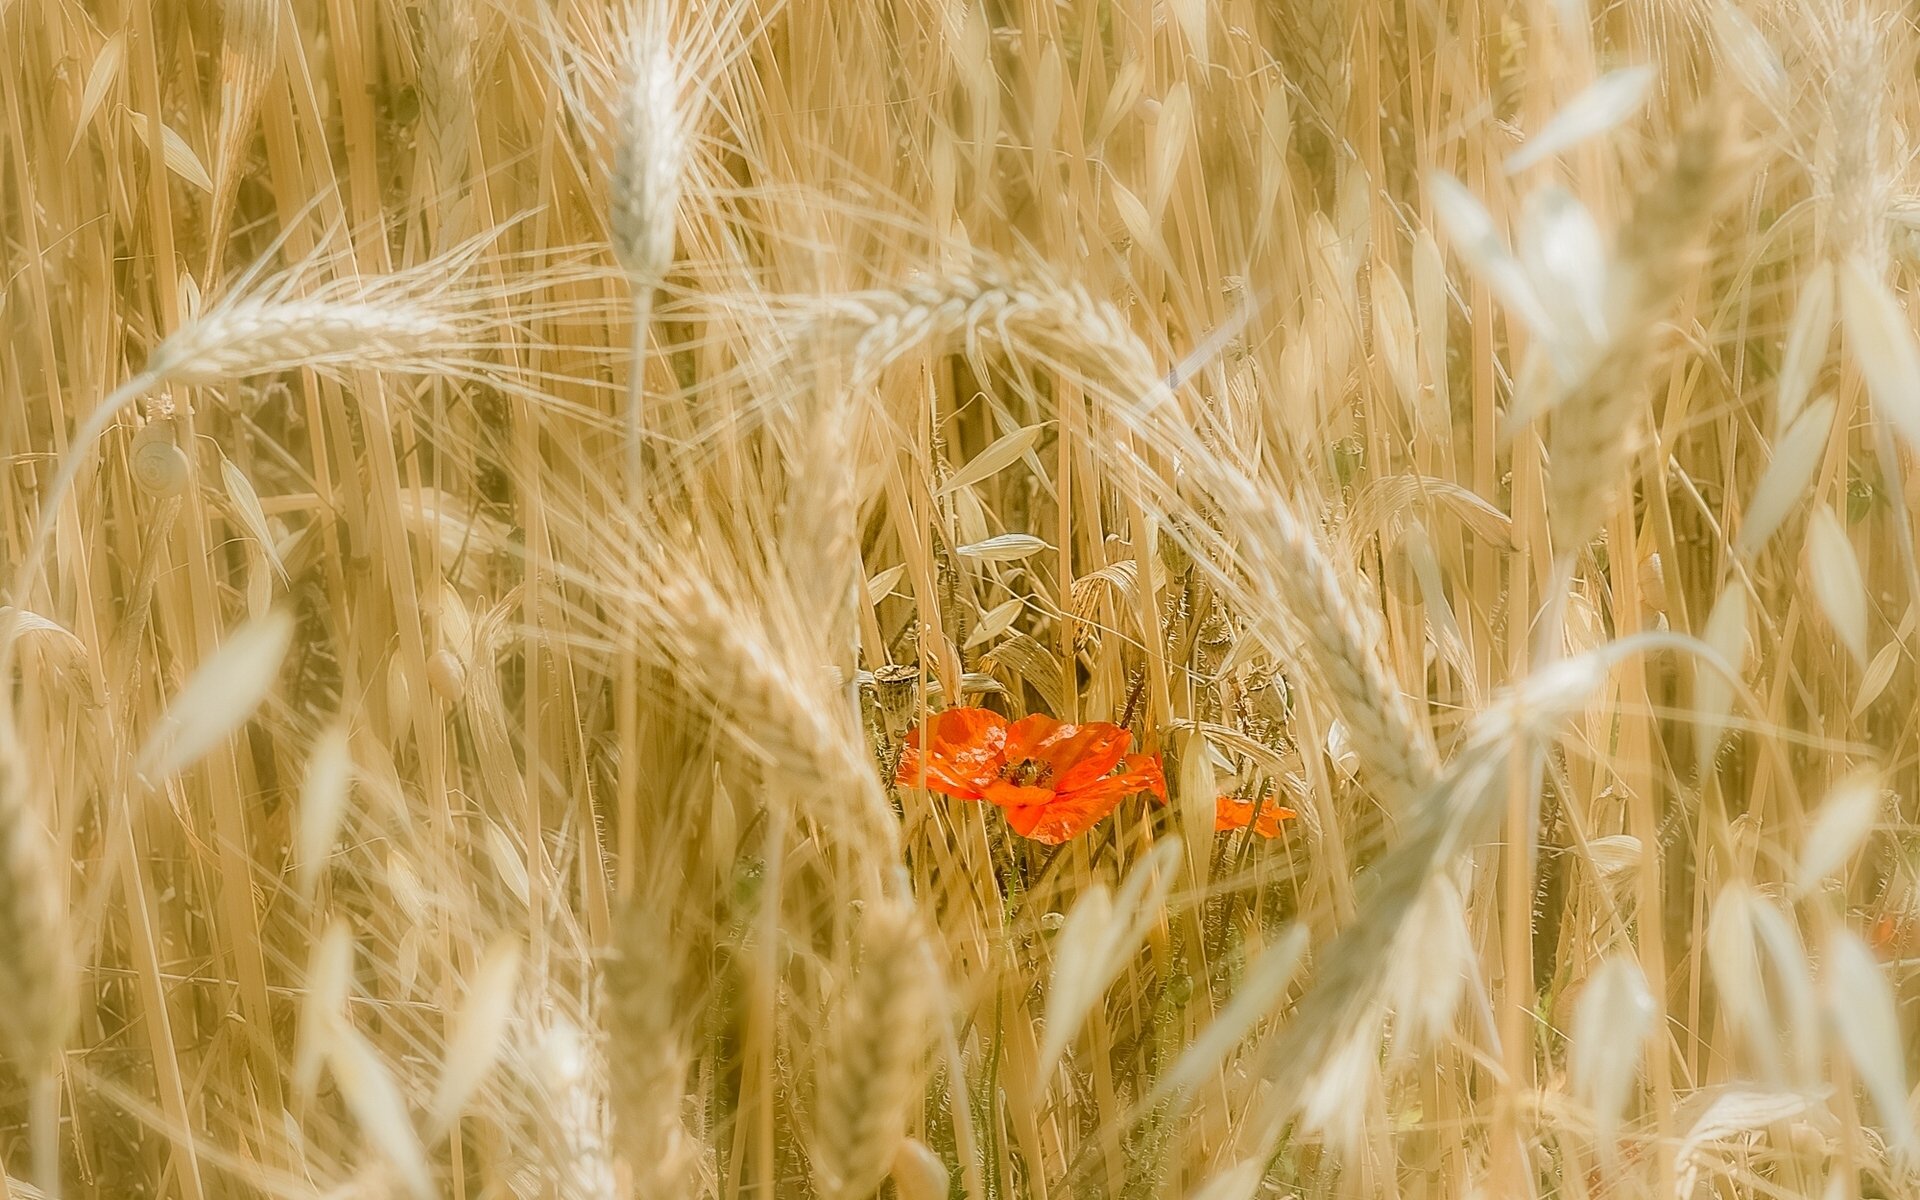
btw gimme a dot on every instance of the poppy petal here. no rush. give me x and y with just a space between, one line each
1068 817
1231 813
1027 737
965 753
1147 769
1087 753
1008 794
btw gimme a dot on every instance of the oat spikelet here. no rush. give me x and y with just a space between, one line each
872 1060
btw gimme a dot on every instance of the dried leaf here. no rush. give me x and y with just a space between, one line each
1257 997
1565 258
246 505
220 697
881 584
100 78
179 156
994 622
1172 132
1476 240
1878 675
1744 49
1394 335
379 1108
1101 934
1728 1114
1614 854
329 980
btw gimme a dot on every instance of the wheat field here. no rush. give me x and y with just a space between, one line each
744 599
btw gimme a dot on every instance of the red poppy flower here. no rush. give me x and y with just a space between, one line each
1230 812
1054 780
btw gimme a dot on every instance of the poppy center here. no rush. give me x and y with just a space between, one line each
1028 772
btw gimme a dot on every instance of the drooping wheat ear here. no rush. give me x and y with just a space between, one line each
249 45
1459 810
873 1057
648 1055
1327 632
1595 426
773 702
447 33
1321 629
993 308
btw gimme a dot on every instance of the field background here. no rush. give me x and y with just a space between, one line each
486 486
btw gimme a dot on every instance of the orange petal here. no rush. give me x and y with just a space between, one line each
1147 769
1063 818
1008 794
966 751
1026 736
1232 813
1083 755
